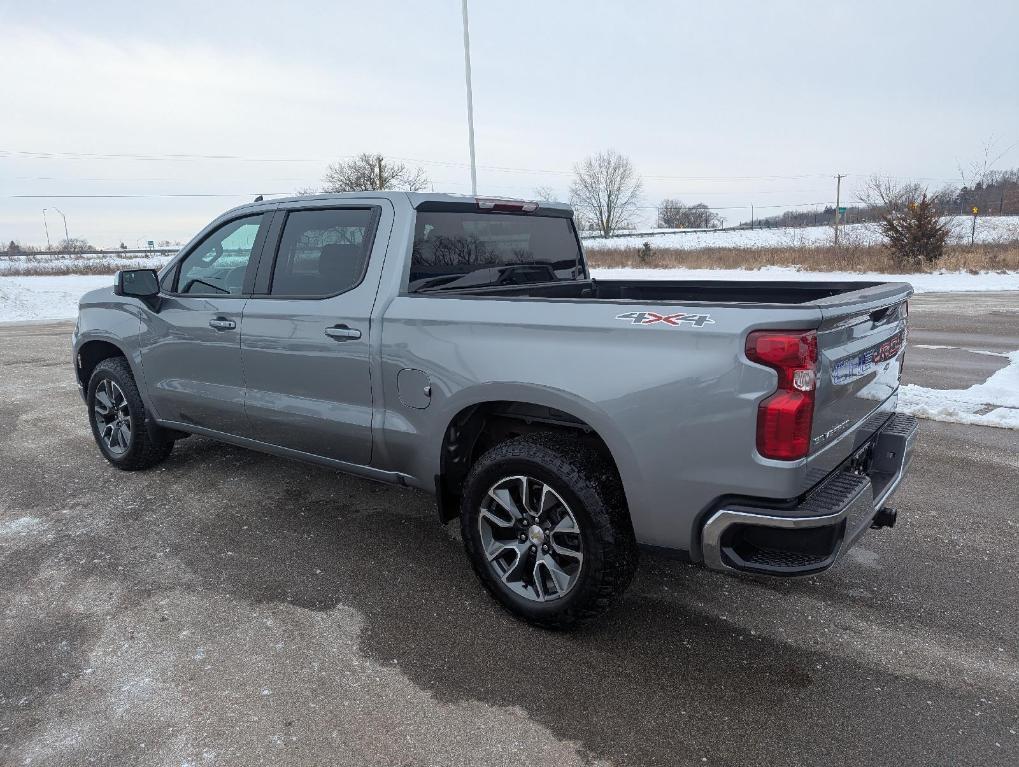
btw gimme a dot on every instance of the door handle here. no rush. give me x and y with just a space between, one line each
343 333
221 324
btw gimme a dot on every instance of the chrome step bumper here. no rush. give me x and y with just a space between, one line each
812 536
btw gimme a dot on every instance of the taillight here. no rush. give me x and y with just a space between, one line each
784 419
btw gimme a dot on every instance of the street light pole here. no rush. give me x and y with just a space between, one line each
470 101
838 203
45 224
67 237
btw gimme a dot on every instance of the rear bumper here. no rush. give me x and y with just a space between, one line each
811 536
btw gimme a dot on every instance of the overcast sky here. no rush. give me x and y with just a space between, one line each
729 103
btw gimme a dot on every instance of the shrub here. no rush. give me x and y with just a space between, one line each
915 233
645 254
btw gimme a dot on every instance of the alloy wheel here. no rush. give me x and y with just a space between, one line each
531 538
112 417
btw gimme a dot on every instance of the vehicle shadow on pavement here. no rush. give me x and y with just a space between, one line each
656 681
660 680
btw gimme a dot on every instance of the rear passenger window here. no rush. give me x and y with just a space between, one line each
322 252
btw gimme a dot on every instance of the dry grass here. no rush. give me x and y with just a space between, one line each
993 257
39 266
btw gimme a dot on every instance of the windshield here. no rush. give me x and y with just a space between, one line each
457 250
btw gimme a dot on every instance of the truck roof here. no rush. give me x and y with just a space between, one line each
416 199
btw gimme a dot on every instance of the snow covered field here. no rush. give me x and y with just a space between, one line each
992 403
938 282
989 230
52 297
27 299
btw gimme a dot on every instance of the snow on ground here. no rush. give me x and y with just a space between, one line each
992 403
21 526
45 298
938 282
51 297
995 402
989 230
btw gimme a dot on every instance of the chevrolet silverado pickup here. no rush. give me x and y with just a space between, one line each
460 345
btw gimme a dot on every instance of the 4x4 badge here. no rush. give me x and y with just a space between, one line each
653 318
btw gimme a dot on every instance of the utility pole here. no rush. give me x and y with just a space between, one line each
46 226
470 101
378 162
751 216
838 202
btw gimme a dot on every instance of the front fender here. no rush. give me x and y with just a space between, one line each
109 319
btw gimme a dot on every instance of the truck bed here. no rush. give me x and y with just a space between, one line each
680 291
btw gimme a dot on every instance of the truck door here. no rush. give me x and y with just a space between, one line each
191 350
306 331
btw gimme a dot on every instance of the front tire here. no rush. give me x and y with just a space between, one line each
545 525
119 420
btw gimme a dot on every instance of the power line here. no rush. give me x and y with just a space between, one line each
289 194
137 196
185 157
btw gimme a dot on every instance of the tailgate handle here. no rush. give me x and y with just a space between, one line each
343 333
879 314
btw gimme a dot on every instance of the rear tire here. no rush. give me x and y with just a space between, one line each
119 420
545 525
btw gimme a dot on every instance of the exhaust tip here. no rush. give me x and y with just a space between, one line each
884 518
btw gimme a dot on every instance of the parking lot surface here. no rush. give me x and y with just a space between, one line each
233 608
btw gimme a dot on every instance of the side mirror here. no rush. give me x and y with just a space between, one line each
138 283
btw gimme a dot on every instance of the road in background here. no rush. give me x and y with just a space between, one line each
951 333
229 607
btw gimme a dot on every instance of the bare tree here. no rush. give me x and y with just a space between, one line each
74 245
545 194
981 169
372 172
889 194
606 191
675 214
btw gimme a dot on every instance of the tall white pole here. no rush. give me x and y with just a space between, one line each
67 237
470 101
838 202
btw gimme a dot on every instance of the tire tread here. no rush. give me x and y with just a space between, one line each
587 473
148 448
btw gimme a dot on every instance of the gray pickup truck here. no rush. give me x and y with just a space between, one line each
460 346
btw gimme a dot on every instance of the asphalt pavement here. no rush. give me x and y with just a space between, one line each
233 608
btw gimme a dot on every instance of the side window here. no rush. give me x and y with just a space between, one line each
217 266
322 252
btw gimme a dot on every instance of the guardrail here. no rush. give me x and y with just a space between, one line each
97 253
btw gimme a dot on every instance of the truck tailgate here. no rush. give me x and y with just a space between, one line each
861 343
